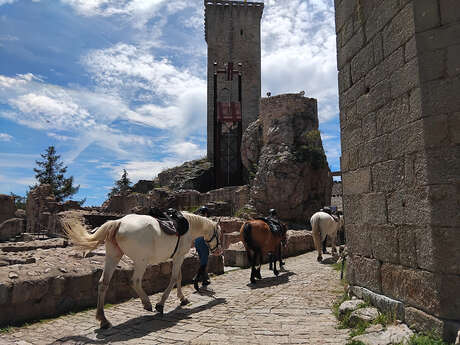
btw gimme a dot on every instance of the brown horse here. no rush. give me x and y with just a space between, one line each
259 240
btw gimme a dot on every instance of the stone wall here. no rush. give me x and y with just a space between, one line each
399 81
56 279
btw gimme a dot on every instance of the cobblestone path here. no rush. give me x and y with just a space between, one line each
294 308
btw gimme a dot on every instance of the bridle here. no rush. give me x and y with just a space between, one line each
215 235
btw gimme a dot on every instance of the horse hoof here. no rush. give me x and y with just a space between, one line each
148 307
276 273
106 324
159 308
195 285
320 258
185 301
253 281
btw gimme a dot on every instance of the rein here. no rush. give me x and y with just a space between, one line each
177 245
214 235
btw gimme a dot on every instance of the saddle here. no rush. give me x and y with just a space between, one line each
172 222
274 225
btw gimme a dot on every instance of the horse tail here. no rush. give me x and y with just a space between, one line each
78 234
247 229
315 230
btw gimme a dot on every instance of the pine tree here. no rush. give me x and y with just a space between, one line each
51 171
122 186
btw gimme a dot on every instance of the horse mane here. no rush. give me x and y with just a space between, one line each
198 220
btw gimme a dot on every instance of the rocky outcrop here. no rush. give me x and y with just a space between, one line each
40 204
7 207
284 158
197 175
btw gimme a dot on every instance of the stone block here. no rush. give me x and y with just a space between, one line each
369 127
376 150
422 322
348 98
415 105
441 96
230 238
231 225
382 71
406 236
347 115
374 208
359 239
7 207
453 61
387 176
377 96
454 128
410 49
450 298
343 11
450 11
407 139
380 16
385 243
439 38
356 182
409 206
445 200
344 78
347 31
367 314
236 256
378 48
5 293
30 291
443 163
418 288
415 169
426 15
384 303
432 64
362 62
350 159
436 131
364 272
405 79
399 30
352 209
350 49
352 134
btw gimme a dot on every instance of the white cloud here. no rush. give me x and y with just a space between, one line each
5 137
299 53
3 2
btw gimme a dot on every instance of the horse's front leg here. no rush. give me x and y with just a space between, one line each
174 275
273 259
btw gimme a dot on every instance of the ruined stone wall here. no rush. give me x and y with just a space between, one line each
400 118
232 31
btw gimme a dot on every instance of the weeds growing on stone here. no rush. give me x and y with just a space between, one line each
420 339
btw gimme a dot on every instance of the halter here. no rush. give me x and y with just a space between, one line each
214 235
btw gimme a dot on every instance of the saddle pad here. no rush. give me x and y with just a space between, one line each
167 226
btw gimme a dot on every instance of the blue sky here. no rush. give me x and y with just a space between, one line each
119 85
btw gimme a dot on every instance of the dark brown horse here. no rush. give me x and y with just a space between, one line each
259 240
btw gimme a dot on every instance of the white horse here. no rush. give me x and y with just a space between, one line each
323 224
142 240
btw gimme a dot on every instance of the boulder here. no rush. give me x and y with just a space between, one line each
11 228
284 158
7 207
367 314
394 334
349 306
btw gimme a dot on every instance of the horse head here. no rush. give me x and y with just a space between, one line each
215 239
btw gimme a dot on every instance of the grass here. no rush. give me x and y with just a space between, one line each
430 339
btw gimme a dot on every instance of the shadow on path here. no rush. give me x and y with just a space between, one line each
283 278
140 326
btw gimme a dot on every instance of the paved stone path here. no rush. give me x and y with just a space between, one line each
294 308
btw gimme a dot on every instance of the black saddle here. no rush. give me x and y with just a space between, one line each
172 222
274 225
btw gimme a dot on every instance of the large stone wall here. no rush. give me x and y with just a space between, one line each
399 85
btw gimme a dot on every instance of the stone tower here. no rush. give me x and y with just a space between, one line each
232 32
399 86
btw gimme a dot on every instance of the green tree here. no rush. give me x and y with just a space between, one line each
51 171
122 186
